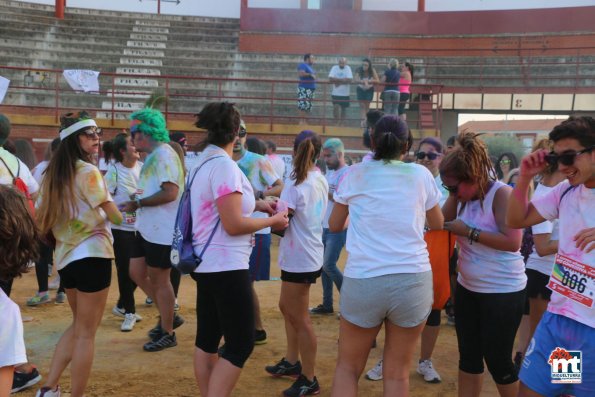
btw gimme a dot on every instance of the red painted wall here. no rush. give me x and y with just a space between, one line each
572 19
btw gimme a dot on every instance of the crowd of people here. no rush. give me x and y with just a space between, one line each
450 226
394 86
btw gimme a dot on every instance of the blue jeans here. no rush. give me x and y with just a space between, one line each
333 244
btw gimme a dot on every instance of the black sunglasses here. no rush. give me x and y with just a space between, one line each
429 155
242 132
93 131
565 158
452 189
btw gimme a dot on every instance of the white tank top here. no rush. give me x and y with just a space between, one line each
481 268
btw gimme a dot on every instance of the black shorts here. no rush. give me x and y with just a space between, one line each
537 285
342 101
365 95
156 255
300 278
87 274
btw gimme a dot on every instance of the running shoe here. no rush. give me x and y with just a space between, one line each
38 299
376 372
148 301
320 309
24 380
120 312
303 387
47 392
426 369
176 307
260 337
156 331
60 297
164 342
285 368
128 323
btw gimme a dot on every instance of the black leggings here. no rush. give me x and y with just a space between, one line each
123 241
486 327
175 278
42 266
224 307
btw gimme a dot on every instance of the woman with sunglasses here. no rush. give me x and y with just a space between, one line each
506 163
387 278
490 291
76 207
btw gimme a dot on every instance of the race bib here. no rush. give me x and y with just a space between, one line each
574 280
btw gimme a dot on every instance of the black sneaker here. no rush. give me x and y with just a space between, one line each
320 309
260 337
23 380
284 368
302 387
156 331
165 341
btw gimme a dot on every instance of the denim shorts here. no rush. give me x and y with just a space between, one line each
405 299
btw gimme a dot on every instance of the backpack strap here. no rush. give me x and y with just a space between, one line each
9 171
210 238
566 191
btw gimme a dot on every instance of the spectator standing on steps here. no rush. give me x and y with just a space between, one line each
306 87
341 77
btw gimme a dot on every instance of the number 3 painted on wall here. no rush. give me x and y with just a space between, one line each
518 103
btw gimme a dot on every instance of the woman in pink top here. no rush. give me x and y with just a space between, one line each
405 88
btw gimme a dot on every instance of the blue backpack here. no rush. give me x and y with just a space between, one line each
182 254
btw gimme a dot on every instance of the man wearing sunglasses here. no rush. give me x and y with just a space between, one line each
265 182
569 323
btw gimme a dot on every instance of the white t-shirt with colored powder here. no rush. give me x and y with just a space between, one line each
156 223
12 343
575 212
122 183
218 178
87 235
259 171
481 268
543 264
278 165
301 249
333 177
387 212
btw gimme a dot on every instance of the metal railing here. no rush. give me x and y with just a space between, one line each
260 100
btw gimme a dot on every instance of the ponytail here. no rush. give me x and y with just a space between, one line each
306 150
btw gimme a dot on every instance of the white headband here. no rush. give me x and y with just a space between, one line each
66 132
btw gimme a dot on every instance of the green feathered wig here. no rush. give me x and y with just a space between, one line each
151 123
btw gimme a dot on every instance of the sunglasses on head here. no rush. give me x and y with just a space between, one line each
452 189
565 158
242 132
93 131
429 155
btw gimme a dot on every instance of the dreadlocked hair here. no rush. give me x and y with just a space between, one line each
470 162
306 149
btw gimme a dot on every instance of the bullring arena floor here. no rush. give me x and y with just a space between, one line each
122 368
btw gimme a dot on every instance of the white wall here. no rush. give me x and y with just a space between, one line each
274 3
231 8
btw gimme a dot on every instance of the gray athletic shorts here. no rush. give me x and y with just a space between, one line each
405 299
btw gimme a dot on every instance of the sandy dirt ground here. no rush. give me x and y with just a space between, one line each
122 368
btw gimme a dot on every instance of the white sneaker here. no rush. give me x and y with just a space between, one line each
376 372
116 311
43 392
128 323
55 283
426 369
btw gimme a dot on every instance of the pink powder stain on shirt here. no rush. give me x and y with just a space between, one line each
205 212
224 190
